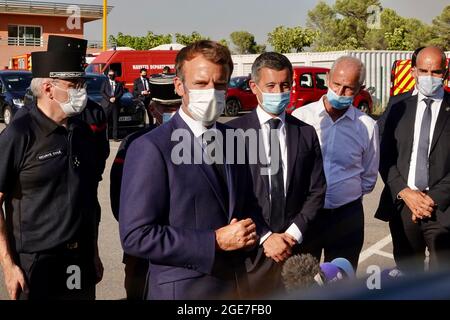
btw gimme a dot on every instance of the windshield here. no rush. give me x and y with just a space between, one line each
17 82
236 82
95 68
321 81
94 84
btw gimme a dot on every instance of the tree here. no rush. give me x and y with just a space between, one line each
285 40
223 42
187 39
441 29
245 43
151 40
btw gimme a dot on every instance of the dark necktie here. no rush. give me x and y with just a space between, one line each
278 200
219 168
422 149
144 81
113 88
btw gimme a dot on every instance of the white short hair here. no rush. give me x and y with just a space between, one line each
356 61
36 86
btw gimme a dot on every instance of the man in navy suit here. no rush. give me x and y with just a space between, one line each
112 91
290 197
194 222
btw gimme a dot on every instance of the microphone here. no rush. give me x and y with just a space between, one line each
345 266
299 271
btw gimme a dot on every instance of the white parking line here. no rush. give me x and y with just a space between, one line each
375 249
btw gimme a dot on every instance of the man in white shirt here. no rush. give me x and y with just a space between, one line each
349 142
293 191
415 167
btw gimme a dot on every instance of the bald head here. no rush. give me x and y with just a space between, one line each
431 61
432 55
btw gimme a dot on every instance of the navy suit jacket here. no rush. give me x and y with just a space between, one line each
395 150
306 184
169 214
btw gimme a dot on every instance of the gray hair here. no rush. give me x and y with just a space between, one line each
355 61
36 86
271 60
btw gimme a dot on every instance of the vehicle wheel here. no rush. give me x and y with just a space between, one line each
364 107
232 108
7 115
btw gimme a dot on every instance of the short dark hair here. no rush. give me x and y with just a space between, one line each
211 50
143 69
414 56
271 60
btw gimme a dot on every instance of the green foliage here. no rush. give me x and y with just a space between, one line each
244 43
187 39
149 41
285 40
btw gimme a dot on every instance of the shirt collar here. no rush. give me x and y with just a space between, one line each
196 127
46 124
321 110
263 116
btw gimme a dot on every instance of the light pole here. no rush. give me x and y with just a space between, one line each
105 23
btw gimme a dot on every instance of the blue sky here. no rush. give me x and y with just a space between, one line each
217 19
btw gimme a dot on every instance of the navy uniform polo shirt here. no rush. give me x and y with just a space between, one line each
49 176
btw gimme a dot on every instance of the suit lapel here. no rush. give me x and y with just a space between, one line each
441 120
254 124
292 142
409 119
206 170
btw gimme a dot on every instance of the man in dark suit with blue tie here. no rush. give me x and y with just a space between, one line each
415 167
193 220
112 91
291 196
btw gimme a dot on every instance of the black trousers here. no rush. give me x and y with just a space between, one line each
112 112
338 232
60 274
136 270
410 240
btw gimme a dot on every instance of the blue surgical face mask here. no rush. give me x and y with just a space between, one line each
339 102
428 85
275 103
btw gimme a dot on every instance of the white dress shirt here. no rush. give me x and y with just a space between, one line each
145 83
264 118
350 150
421 105
113 86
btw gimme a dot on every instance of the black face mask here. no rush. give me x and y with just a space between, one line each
144 75
111 76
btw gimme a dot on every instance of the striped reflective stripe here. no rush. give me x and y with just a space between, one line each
403 81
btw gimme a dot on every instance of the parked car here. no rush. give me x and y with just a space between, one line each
239 96
13 86
309 84
132 111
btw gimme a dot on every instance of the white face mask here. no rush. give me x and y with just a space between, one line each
206 105
76 101
429 86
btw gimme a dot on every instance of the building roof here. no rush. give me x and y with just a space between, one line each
38 8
